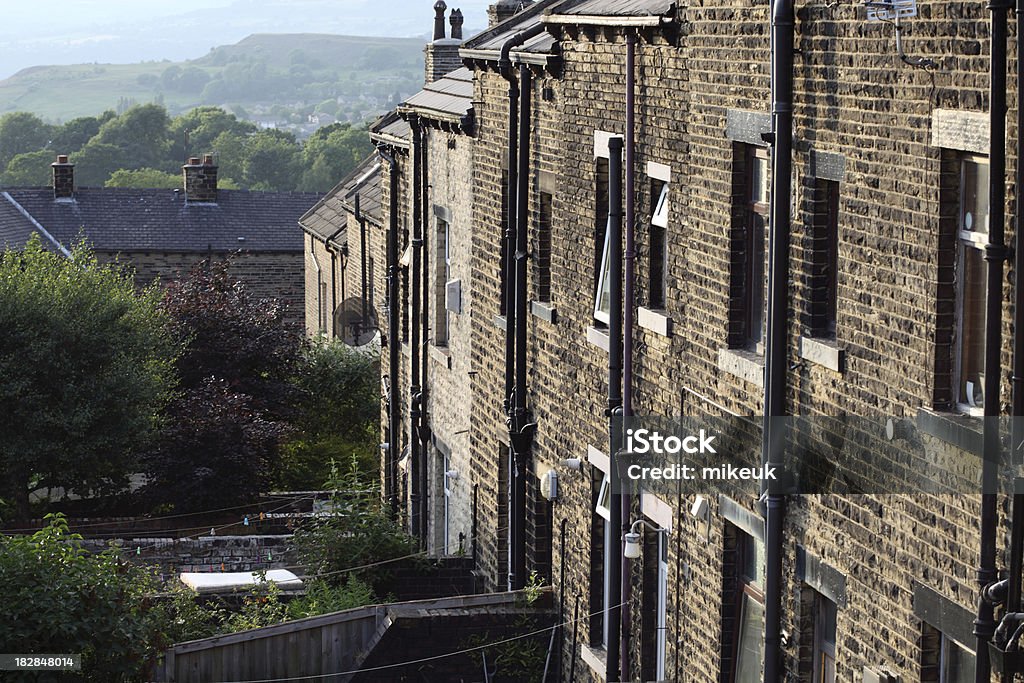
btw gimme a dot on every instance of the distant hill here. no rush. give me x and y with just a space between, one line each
258 72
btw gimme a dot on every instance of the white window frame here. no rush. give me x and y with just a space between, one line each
662 614
446 463
600 313
659 216
967 239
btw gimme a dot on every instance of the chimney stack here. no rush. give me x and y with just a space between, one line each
200 179
442 54
63 178
504 9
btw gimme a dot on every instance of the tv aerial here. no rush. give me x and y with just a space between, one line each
892 11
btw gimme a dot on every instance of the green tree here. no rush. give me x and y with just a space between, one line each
96 161
59 598
31 169
86 367
141 133
74 134
331 153
21 132
194 132
338 414
272 161
143 178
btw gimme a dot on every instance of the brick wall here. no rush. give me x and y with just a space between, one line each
266 275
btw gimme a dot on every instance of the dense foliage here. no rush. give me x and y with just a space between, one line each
338 414
145 147
85 370
360 540
223 433
59 598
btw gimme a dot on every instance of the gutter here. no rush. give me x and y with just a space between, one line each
38 226
597 20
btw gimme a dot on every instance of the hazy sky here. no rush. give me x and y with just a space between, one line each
41 32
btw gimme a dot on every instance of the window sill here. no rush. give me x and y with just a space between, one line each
442 355
596 659
655 321
543 310
961 431
499 322
598 338
823 352
746 365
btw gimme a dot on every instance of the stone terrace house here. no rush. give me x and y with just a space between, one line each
430 139
161 234
334 274
872 308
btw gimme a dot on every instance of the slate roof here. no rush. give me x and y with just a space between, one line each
15 228
330 214
130 220
488 44
392 129
617 8
448 98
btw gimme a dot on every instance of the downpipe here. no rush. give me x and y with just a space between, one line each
995 254
416 452
628 312
777 350
614 615
394 417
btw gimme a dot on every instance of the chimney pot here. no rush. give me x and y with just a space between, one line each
439 8
456 21
193 161
63 178
207 160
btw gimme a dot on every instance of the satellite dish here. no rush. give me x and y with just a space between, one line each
351 326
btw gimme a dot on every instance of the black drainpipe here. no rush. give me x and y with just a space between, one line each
614 615
424 426
521 426
519 440
394 391
1013 599
629 296
416 463
362 266
995 254
777 351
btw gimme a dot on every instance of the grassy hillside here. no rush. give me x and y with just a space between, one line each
261 70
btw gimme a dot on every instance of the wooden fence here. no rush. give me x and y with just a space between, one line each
315 647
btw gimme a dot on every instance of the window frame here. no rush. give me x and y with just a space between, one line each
748 591
825 620
976 240
442 274
757 202
603 281
657 280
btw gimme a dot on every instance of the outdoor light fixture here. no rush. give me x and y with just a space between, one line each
634 537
